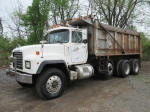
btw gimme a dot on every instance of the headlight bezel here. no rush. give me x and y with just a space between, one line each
27 64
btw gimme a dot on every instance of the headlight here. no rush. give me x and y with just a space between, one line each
28 64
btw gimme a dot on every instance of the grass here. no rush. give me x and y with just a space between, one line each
144 78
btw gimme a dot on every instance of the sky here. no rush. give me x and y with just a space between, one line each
6 5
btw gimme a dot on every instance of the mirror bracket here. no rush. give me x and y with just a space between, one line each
85 41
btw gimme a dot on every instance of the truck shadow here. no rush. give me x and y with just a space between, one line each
30 94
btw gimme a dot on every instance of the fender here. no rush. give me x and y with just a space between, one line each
52 62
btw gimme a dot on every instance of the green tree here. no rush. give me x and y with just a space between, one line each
119 13
6 47
145 47
4 50
35 19
62 10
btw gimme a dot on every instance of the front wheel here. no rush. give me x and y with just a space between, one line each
51 84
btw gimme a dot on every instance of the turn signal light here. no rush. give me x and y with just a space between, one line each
37 53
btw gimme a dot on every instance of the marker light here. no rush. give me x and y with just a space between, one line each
37 53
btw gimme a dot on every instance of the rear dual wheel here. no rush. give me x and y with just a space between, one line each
117 64
123 68
110 68
134 66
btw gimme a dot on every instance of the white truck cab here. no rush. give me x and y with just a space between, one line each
65 46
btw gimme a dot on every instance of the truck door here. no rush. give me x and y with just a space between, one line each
78 48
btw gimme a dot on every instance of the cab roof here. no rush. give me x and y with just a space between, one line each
62 28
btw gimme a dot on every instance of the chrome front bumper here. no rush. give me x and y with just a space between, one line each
21 77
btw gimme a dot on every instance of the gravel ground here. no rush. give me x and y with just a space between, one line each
131 94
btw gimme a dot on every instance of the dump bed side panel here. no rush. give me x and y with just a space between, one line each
105 45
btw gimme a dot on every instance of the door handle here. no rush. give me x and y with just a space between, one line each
68 51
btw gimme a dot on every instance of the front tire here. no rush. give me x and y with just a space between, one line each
51 84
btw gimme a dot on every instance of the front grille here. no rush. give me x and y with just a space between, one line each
19 59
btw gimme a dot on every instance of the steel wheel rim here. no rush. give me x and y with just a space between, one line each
126 68
136 66
110 68
53 84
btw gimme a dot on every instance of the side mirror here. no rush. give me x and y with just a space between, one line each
43 42
85 41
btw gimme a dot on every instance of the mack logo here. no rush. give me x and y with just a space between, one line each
16 50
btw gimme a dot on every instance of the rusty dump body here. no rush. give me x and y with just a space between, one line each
100 43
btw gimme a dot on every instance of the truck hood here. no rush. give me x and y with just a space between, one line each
49 51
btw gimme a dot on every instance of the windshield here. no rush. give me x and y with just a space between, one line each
59 36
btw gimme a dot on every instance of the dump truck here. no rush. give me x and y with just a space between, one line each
81 48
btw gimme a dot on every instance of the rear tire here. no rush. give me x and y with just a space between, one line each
117 68
110 68
51 84
134 65
124 68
